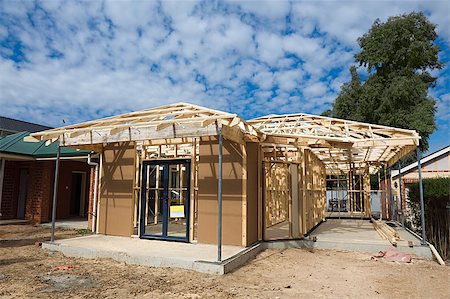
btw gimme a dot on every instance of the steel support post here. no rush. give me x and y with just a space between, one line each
422 205
219 200
55 193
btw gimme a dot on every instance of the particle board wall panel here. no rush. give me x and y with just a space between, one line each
252 193
116 190
232 187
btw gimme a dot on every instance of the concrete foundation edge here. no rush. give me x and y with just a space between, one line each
220 268
227 265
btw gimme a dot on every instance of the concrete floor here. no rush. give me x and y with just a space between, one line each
360 235
155 253
348 230
346 215
278 231
75 223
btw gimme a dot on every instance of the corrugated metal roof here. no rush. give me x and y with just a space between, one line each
15 144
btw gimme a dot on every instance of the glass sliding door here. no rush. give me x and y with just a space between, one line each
165 199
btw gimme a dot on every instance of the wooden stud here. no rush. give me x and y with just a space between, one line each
244 194
192 190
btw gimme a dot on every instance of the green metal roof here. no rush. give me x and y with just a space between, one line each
14 144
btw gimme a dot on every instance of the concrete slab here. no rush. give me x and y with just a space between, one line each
154 253
346 215
68 224
360 235
354 230
343 234
14 221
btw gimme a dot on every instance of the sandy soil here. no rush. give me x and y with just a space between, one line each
29 271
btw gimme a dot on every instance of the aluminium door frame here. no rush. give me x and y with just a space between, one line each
165 212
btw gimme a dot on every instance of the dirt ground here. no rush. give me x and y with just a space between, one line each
29 271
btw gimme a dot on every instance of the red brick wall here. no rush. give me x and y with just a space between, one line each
40 189
40 184
10 190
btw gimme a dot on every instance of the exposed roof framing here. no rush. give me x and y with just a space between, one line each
338 142
171 121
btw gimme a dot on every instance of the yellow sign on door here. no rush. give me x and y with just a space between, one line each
177 211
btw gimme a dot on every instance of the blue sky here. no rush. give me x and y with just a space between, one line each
81 60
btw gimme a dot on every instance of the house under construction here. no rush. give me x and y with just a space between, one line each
189 173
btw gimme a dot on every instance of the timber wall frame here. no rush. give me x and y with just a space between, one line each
309 147
294 191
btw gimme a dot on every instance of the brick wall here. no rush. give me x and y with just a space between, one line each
39 197
40 184
10 190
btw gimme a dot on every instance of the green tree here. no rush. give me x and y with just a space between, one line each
399 56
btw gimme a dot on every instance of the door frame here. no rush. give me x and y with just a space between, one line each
22 193
166 163
82 194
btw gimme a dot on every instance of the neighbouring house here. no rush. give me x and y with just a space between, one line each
10 126
434 165
172 172
27 180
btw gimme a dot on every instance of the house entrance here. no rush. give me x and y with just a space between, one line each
78 194
165 199
22 199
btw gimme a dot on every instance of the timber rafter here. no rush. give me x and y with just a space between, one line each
179 120
336 142
339 142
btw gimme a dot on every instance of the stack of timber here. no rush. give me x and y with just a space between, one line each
385 231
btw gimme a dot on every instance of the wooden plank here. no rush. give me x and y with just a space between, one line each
99 194
136 186
260 195
293 170
192 190
142 134
244 194
233 134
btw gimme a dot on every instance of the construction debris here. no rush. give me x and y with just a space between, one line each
386 232
393 255
437 255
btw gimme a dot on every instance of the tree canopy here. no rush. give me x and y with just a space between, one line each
399 56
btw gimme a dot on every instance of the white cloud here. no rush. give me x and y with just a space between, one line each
269 47
117 56
314 90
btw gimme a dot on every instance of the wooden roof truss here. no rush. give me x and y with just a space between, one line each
166 122
339 143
